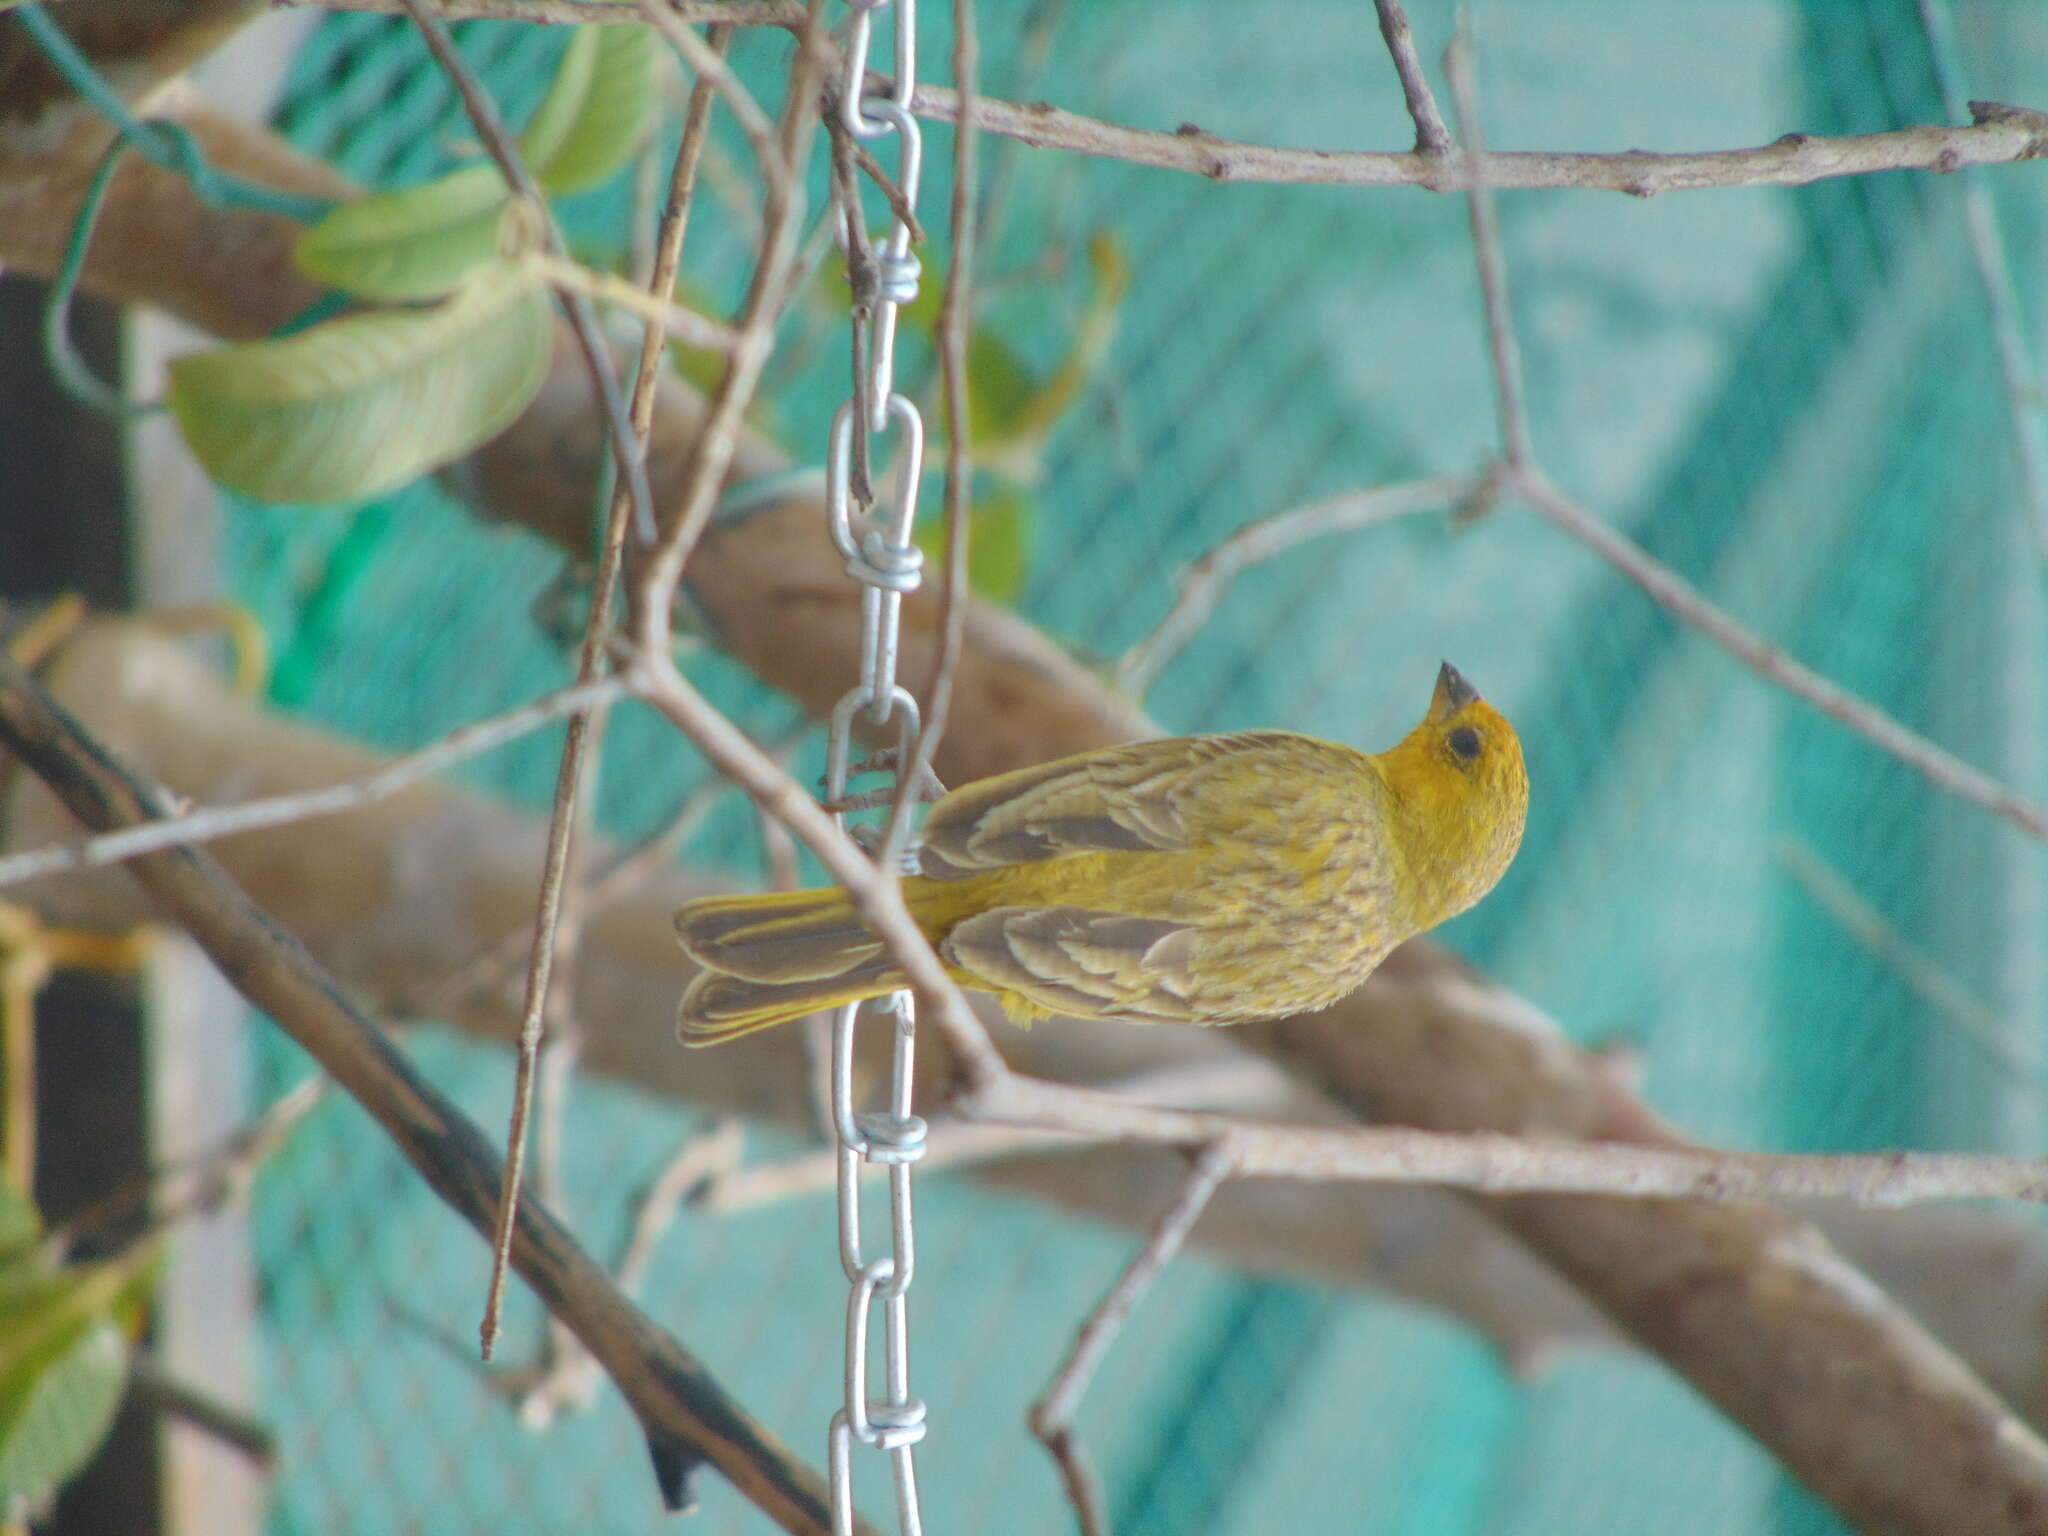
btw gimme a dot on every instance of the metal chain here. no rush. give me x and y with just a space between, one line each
876 542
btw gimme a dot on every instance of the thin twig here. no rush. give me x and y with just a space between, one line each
632 473
229 1424
1431 136
586 731
892 191
1678 597
787 14
1500 325
704 57
400 773
1923 975
685 325
956 317
2000 135
711 451
554 875
204 1182
1204 583
1493 1163
1052 1416
1987 247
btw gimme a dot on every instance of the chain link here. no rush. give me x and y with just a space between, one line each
876 544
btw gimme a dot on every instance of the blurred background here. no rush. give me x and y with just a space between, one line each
1792 396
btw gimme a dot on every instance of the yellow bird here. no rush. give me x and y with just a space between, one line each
1196 880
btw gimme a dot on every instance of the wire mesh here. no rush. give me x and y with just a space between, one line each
1792 397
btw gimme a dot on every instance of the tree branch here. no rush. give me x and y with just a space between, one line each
204 825
1431 136
2000 135
684 1411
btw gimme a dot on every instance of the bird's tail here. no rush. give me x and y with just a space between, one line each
774 957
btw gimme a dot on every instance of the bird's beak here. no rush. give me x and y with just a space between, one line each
1453 693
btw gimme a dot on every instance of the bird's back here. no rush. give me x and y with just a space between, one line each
1209 878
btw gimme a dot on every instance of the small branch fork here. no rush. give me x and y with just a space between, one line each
1052 1416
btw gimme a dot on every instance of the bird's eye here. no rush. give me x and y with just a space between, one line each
1465 742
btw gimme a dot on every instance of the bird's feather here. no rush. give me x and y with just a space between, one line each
1134 799
1070 960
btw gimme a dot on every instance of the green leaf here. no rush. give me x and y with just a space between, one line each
55 1413
368 402
64 1367
417 243
598 109
998 544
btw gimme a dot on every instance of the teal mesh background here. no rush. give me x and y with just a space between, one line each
1792 396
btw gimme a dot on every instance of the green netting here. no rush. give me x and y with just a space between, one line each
1790 396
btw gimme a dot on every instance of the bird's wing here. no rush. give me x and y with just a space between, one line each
1071 960
1125 799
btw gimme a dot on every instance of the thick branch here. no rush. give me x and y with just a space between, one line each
685 1412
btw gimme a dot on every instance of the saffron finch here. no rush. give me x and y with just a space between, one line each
1196 880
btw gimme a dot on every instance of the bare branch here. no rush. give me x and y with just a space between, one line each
202 826
1500 323
1431 137
1204 583
787 14
1923 976
205 1181
1052 1416
1678 597
705 59
2000 135
1501 1164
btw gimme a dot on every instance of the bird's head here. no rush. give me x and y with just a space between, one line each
1462 796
